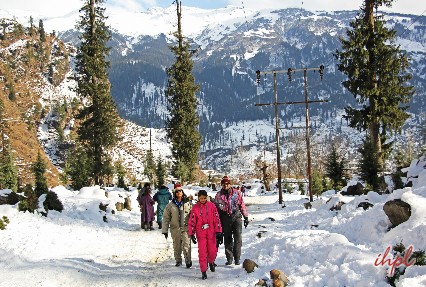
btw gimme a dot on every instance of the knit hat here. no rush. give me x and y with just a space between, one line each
178 186
225 179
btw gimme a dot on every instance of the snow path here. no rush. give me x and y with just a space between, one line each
101 256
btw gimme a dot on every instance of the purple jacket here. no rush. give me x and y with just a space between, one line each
147 205
230 204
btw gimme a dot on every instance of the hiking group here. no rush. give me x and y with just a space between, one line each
209 222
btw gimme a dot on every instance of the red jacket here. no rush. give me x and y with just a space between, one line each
204 214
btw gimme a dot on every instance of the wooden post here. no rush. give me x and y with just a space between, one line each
277 134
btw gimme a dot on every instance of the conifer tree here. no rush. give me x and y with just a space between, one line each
98 131
183 121
335 168
377 78
41 31
39 169
317 187
121 173
160 172
149 166
368 166
79 168
8 171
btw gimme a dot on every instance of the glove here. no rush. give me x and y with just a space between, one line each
246 221
194 240
166 235
219 239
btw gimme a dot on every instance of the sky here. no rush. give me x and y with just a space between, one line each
59 8
313 247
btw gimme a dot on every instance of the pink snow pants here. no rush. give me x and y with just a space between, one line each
207 250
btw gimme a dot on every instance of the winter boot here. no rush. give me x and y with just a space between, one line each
212 267
188 265
204 275
237 262
146 226
160 225
150 226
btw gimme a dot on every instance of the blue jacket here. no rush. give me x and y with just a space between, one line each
162 197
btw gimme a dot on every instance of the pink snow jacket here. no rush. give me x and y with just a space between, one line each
230 203
204 214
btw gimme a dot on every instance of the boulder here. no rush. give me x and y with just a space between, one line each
119 206
397 211
279 279
338 206
357 189
249 265
127 203
365 205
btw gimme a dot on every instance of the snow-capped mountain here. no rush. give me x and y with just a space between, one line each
235 42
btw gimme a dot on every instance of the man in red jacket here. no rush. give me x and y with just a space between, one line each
231 207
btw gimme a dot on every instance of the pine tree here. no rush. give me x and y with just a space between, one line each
317 187
41 31
39 169
368 167
79 168
149 166
8 171
160 172
377 77
335 168
183 121
98 131
121 173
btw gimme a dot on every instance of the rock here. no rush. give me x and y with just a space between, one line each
365 205
357 189
397 211
279 279
249 265
119 206
127 203
338 206
261 283
103 206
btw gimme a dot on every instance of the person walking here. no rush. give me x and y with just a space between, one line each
231 207
162 197
204 226
175 216
146 203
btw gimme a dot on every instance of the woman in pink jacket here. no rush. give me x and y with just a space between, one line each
204 222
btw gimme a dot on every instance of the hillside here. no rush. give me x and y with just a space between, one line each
28 68
36 89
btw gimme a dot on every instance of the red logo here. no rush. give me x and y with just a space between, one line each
395 262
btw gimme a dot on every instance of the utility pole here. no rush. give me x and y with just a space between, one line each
277 128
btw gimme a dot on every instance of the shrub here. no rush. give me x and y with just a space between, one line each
3 222
30 202
52 202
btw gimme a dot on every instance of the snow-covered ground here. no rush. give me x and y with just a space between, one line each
313 247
